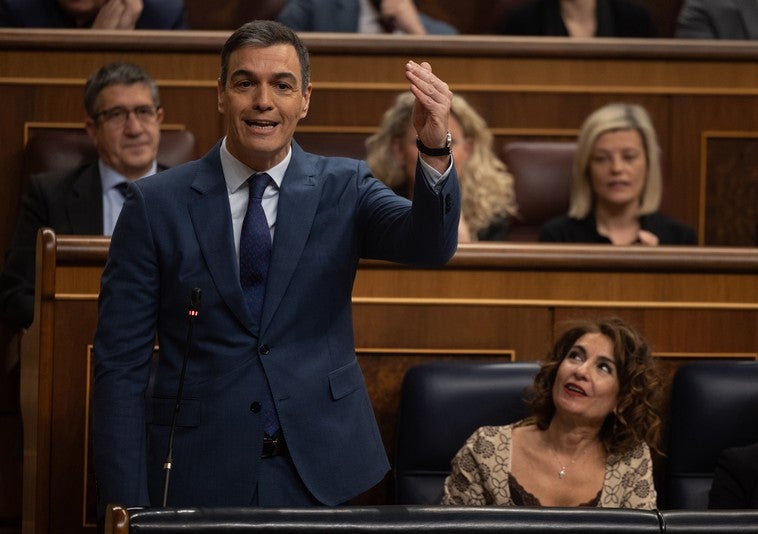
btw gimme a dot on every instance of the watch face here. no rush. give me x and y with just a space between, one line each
449 140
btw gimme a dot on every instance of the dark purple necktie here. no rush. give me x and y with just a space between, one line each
255 256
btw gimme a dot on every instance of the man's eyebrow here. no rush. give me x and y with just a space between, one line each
244 73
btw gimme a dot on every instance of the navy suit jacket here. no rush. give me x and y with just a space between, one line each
718 19
339 16
156 14
69 202
175 234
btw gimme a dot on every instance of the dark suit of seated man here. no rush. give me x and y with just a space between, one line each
97 14
718 19
361 16
124 115
735 480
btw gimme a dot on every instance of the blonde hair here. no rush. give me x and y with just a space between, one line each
614 117
487 192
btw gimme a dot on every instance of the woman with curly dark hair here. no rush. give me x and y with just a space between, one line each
594 418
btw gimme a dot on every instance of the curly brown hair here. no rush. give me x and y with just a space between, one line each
636 417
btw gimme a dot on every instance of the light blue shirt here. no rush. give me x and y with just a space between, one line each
113 200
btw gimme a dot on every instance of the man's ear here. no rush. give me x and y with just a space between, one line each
306 101
219 95
159 115
91 128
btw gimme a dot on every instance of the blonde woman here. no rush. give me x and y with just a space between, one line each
616 187
488 199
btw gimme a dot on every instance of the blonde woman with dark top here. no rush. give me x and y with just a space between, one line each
617 185
488 198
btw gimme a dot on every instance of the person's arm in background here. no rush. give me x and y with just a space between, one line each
298 15
694 22
118 15
404 16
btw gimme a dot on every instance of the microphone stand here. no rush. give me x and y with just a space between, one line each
192 314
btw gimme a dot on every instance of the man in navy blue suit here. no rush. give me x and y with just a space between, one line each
181 230
98 14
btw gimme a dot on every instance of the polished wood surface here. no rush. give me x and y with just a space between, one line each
503 302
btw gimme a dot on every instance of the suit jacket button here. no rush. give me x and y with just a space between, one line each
264 349
448 203
255 407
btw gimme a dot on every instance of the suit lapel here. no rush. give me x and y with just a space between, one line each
84 205
298 200
214 233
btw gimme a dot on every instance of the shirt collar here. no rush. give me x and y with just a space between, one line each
110 177
236 173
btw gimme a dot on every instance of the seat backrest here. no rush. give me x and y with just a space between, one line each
542 182
441 405
714 405
57 149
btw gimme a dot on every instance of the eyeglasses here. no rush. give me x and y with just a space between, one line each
117 116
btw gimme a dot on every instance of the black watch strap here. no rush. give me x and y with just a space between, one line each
443 151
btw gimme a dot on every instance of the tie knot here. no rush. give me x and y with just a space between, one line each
121 187
257 183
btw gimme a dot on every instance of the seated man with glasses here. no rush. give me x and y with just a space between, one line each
124 115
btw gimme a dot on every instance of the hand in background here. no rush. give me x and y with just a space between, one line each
403 15
118 15
647 238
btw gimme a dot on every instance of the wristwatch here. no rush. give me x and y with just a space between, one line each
444 151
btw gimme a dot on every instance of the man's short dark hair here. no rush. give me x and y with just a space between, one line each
262 33
116 73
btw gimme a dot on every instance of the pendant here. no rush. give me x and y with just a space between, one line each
562 472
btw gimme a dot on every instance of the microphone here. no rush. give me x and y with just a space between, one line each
192 314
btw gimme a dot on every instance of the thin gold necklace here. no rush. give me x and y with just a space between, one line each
563 472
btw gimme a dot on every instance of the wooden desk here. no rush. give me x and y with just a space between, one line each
491 302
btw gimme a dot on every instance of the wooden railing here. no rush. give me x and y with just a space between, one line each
492 302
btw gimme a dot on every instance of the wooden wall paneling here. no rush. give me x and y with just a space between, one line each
737 114
729 175
545 84
503 301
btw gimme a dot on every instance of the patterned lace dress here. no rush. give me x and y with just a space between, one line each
481 475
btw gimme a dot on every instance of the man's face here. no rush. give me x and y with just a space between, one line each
262 101
126 131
